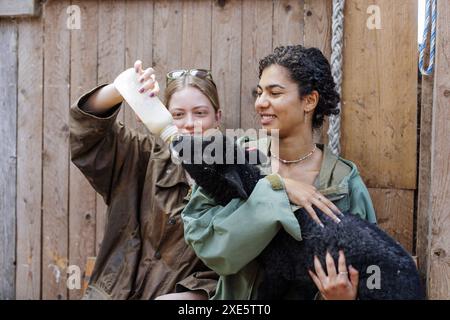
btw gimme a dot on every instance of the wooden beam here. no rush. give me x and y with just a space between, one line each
82 197
288 22
110 63
379 103
318 19
439 253
226 58
12 8
55 161
167 38
196 39
394 209
138 45
424 172
8 157
256 43
29 158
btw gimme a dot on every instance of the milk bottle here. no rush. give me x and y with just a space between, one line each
151 111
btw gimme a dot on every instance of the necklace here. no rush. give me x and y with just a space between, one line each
297 160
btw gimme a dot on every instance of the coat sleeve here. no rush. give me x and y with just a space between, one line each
227 238
103 149
360 201
205 281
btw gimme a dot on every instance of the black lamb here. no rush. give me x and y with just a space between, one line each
285 260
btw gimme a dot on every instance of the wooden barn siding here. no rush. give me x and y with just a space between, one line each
424 170
439 221
60 219
82 199
379 118
29 158
8 157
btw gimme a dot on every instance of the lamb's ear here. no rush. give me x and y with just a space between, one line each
234 181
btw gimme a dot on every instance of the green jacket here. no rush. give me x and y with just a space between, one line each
228 239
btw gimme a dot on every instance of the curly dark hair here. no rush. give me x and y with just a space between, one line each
311 71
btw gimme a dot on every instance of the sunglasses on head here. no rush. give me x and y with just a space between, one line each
199 73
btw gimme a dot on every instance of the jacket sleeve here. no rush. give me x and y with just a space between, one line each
360 201
227 238
103 149
205 281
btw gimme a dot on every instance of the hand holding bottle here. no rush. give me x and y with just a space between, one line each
147 78
139 88
108 96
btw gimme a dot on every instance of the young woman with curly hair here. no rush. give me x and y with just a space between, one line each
295 93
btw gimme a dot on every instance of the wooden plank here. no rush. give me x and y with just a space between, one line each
394 209
196 39
29 159
8 157
288 22
256 44
380 93
167 32
111 58
83 76
138 45
19 8
424 171
318 19
226 58
439 277
318 33
55 151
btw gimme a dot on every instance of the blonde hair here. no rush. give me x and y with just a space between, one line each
205 85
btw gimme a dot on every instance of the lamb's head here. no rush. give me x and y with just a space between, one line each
216 163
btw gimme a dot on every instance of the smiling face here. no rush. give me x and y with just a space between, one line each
278 103
190 107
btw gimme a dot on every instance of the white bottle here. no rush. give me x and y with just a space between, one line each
151 111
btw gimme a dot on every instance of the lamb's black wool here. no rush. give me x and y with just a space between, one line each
285 260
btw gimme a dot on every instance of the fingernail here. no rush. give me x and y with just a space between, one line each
321 224
337 220
141 90
152 95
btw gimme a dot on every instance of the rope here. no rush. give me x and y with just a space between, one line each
430 10
336 70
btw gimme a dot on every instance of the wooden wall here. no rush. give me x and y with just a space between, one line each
48 206
433 237
380 108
